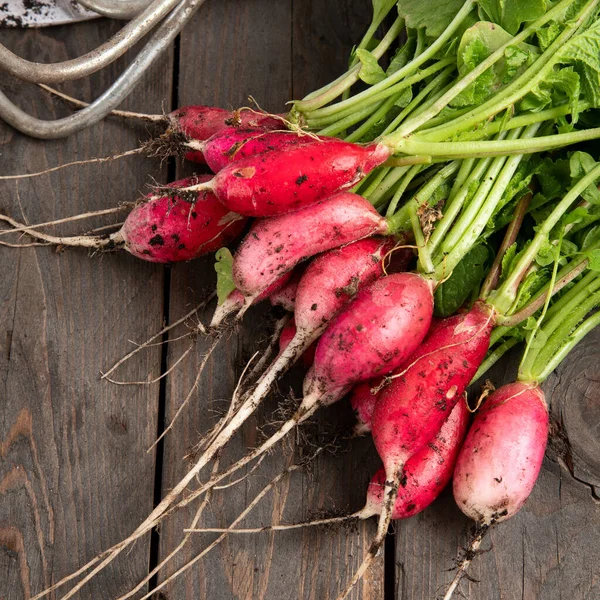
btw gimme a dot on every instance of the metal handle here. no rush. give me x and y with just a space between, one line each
116 9
114 95
93 61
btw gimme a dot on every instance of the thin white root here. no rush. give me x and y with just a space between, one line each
239 519
194 387
282 527
470 554
177 549
83 241
210 436
87 161
240 479
156 379
88 215
385 518
117 113
199 327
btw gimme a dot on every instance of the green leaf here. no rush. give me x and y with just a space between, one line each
466 277
476 44
591 238
433 16
403 55
224 269
582 163
575 215
547 34
370 72
405 98
594 258
508 261
583 52
511 14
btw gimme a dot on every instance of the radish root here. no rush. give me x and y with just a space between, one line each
469 554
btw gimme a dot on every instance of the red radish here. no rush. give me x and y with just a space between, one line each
500 460
172 229
287 335
362 400
234 144
202 122
236 301
284 180
363 342
274 246
427 472
423 392
411 409
162 229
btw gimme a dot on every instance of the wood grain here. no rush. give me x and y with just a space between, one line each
74 475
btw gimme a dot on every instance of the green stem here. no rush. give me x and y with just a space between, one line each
472 231
504 297
545 368
335 111
412 173
452 237
331 91
425 264
412 66
565 276
418 102
458 200
391 178
546 302
377 116
450 150
508 96
413 124
343 122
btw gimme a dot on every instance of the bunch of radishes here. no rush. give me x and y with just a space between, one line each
446 173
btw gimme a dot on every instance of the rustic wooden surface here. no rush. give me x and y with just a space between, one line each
74 473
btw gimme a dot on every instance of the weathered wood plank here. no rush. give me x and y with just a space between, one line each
74 475
274 51
551 549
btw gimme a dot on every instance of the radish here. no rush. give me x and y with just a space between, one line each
163 229
286 296
284 180
274 246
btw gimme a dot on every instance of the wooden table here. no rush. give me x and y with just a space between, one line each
75 476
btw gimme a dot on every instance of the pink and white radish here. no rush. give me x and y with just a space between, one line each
500 460
275 246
